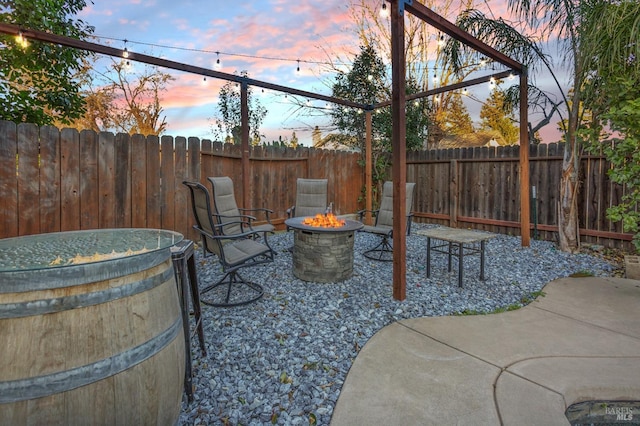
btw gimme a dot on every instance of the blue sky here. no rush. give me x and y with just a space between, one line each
266 38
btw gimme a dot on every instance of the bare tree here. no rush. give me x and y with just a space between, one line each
122 99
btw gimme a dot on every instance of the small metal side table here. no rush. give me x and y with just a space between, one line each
454 245
184 266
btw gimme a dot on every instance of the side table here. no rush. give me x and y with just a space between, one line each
454 242
184 267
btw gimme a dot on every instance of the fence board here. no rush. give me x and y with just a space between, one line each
122 184
183 213
49 179
138 181
106 161
28 180
69 180
8 179
153 182
89 189
168 184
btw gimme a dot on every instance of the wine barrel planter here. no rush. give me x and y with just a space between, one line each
99 341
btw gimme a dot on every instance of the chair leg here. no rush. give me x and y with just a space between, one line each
382 252
231 290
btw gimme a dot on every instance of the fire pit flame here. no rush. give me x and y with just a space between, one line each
328 220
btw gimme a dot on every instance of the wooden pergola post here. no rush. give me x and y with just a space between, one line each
368 172
398 150
525 204
246 164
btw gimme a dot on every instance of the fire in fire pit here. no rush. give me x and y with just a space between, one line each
328 220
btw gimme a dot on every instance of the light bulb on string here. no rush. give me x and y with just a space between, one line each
218 65
298 68
22 40
125 53
384 12
441 41
435 78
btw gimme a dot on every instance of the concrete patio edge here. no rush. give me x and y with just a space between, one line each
579 342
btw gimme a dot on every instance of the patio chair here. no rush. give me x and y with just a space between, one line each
311 198
383 225
234 250
235 220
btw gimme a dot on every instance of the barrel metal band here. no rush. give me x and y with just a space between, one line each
59 304
63 381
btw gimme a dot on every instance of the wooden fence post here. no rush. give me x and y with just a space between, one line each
453 194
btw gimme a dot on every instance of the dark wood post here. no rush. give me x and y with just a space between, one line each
368 179
399 150
246 173
525 204
453 194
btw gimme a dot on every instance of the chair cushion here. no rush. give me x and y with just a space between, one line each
240 251
311 197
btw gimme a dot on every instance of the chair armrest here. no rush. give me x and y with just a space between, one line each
361 213
291 211
266 212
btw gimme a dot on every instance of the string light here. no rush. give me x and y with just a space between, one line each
298 69
465 91
218 65
384 12
125 53
441 41
21 40
435 78
240 55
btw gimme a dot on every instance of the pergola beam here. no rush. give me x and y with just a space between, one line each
450 87
427 15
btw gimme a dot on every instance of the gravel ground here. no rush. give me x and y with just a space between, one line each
283 359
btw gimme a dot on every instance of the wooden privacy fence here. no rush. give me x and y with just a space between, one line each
59 180
479 188
53 180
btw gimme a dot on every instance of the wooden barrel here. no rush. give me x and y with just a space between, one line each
91 343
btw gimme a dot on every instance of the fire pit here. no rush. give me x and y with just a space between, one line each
323 247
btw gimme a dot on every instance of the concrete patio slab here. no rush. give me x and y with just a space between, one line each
580 342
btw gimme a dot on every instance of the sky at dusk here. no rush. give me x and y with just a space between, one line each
265 38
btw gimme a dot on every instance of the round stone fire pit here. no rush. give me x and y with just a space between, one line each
322 254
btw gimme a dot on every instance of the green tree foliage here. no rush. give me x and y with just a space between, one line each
496 116
609 35
228 118
366 83
37 83
452 121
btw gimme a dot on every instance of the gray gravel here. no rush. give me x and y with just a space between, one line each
283 359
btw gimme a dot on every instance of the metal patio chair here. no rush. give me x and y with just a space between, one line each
236 250
311 198
383 225
234 219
